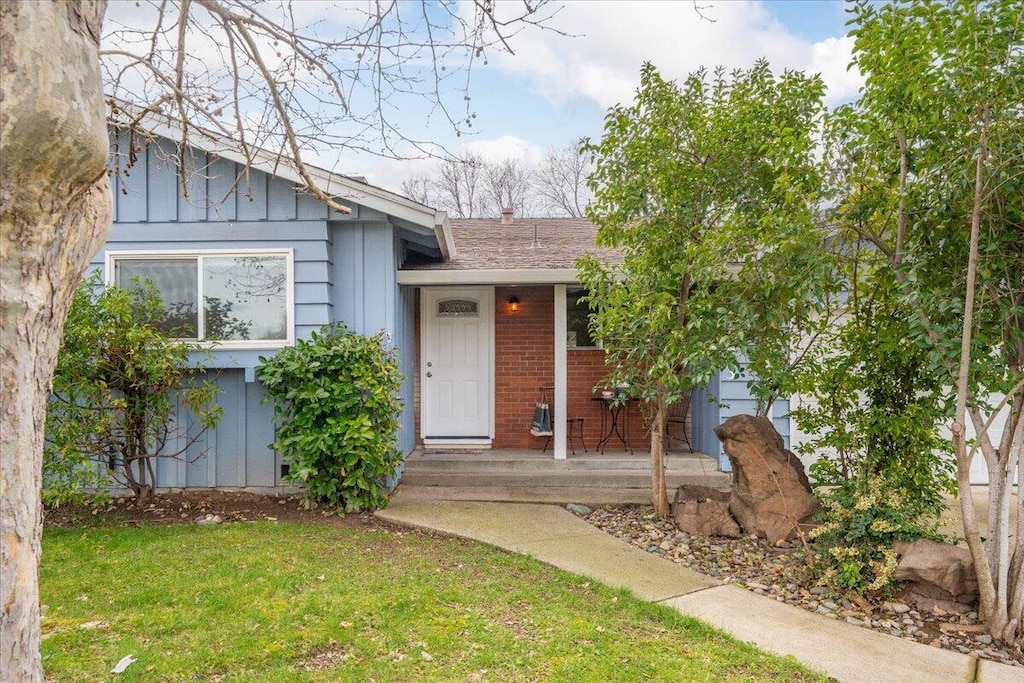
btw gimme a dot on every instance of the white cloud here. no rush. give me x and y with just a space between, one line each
612 39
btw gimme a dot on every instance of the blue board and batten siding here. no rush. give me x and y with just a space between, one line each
345 269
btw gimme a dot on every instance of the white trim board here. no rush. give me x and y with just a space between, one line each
112 255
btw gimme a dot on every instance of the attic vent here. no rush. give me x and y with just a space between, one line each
458 308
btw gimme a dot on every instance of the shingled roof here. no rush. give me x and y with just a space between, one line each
487 244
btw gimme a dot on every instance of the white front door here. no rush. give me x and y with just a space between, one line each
456 363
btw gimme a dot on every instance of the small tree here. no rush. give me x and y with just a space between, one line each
336 401
937 188
119 382
709 189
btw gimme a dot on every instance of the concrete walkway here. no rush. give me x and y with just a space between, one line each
553 535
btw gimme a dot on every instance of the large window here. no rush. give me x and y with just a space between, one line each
577 319
246 296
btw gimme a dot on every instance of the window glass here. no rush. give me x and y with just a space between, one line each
245 298
578 321
457 308
178 283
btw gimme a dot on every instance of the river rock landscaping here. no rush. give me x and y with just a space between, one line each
780 572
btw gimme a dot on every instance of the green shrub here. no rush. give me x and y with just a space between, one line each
119 379
860 522
336 402
876 408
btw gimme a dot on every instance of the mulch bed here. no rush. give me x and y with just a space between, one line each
206 507
780 572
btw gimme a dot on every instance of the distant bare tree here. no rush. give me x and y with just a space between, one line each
419 189
561 180
458 185
508 183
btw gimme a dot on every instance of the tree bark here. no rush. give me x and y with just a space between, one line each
659 494
54 215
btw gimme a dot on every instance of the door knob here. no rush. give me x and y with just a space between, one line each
430 374
429 364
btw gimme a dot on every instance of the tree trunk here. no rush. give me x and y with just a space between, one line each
54 215
659 494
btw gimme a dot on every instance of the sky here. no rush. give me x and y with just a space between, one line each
554 86
557 88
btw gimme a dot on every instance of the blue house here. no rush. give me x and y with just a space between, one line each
483 314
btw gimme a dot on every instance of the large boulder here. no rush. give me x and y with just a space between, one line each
704 511
771 496
937 575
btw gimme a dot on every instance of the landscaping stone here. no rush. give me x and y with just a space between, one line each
577 509
937 575
781 574
704 511
771 496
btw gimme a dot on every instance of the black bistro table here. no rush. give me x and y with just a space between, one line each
614 418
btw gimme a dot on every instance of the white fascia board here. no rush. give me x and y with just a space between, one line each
443 231
333 184
525 276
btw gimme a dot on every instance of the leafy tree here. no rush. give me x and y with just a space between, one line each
936 186
117 386
274 82
874 406
709 189
336 400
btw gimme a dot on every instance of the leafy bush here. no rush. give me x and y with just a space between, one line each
876 408
860 522
336 402
117 384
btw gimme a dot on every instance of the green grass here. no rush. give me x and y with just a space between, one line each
280 602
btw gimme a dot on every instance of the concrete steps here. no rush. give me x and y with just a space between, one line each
513 476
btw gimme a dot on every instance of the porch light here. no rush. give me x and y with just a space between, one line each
513 304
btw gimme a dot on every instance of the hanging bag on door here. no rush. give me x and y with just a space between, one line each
541 420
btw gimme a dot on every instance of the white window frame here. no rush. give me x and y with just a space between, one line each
597 342
198 254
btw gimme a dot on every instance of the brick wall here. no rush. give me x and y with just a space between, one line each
585 370
524 361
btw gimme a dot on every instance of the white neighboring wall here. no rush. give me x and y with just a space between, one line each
979 471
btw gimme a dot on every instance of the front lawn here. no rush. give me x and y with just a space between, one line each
265 601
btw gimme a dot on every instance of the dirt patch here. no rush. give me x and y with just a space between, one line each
206 507
325 659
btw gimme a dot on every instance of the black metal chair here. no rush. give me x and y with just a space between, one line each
677 416
569 424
